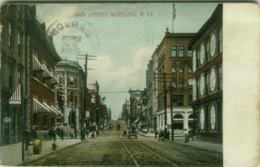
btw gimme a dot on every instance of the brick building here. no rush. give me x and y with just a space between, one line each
174 68
207 82
40 81
12 65
73 78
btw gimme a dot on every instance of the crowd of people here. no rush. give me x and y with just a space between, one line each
165 135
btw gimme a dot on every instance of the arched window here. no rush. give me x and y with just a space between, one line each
180 70
189 70
173 70
72 79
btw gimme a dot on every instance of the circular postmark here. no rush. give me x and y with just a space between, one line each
73 37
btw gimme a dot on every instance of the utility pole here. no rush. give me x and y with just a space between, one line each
165 101
172 130
85 88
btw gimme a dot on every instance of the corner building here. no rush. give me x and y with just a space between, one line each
174 69
207 82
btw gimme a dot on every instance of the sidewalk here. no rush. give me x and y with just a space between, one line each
194 143
11 155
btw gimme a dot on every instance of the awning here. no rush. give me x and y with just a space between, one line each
57 111
46 73
51 111
16 96
38 107
37 66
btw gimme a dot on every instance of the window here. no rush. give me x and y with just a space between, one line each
220 40
189 51
71 96
220 78
44 120
71 80
181 51
207 51
35 120
11 72
180 84
19 76
177 100
18 12
173 70
189 70
190 100
174 51
173 84
10 38
180 70
19 43
190 82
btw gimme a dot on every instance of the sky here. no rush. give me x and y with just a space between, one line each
122 36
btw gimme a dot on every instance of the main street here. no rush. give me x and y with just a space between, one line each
112 149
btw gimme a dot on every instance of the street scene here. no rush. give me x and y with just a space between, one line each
113 84
111 148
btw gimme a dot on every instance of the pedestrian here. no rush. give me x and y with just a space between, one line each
186 136
87 132
161 136
34 134
124 132
52 134
71 133
62 134
156 133
27 138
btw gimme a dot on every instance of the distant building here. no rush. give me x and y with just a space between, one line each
73 77
207 82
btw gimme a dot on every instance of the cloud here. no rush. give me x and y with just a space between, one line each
115 76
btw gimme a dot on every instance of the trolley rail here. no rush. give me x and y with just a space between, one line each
131 154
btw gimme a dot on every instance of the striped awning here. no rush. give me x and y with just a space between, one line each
37 66
38 107
51 111
46 73
57 111
16 96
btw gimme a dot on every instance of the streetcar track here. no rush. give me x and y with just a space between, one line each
150 151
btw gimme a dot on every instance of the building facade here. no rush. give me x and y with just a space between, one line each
174 69
41 58
207 82
12 65
72 75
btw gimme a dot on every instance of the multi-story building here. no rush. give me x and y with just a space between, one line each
148 110
174 69
73 77
207 82
41 58
12 65
95 103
